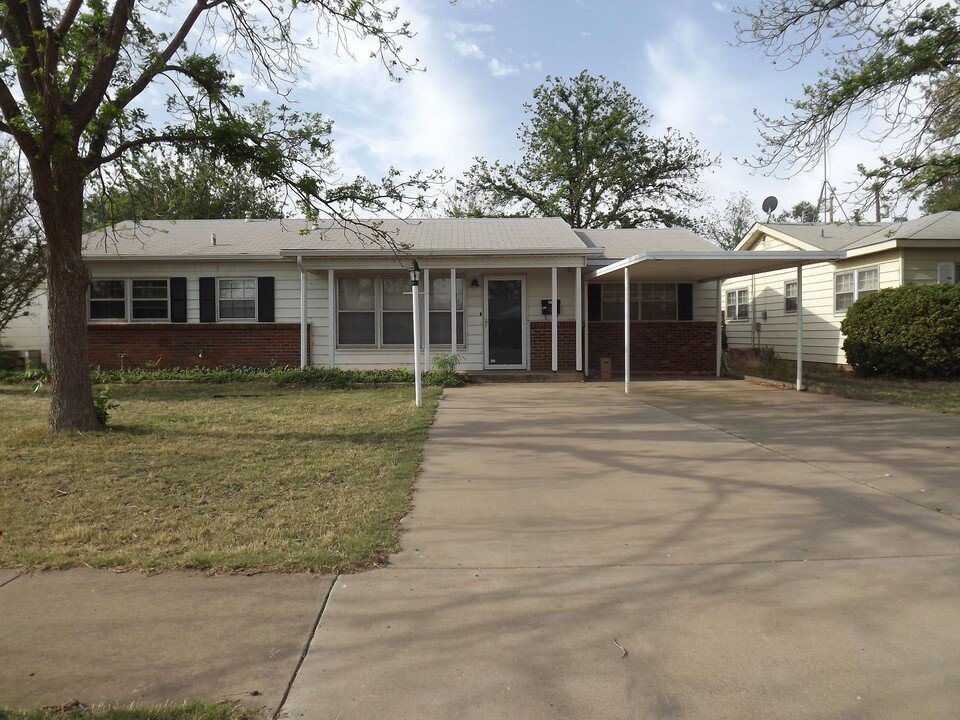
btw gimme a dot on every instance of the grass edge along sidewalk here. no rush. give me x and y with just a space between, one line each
229 477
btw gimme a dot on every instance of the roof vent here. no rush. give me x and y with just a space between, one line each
247 216
213 239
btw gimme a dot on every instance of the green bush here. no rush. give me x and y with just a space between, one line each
909 331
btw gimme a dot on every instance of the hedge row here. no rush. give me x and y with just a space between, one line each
910 331
320 377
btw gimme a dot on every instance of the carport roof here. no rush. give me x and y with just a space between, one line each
715 265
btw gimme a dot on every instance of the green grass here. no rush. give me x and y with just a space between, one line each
190 711
230 478
936 395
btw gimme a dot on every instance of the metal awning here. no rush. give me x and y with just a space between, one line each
673 266
707 266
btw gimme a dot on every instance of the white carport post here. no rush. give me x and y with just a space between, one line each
553 319
719 327
426 317
453 310
303 312
332 320
626 329
800 327
578 303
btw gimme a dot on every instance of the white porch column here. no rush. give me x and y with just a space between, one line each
578 305
453 310
426 319
303 313
719 301
626 330
553 319
332 320
799 327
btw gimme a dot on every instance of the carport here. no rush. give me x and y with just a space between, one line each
662 266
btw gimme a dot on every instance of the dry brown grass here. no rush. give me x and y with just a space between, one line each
233 478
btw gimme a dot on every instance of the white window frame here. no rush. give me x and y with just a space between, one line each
256 308
461 313
132 301
787 297
856 293
379 313
737 303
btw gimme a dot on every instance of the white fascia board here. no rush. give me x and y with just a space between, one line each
749 261
752 236
875 248
443 252
186 258
759 230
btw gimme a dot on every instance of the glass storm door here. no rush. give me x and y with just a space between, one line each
505 324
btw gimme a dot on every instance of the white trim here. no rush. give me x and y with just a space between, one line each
800 327
855 272
331 319
425 279
738 263
303 314
786 297
626 330
719 302
453 311
256 299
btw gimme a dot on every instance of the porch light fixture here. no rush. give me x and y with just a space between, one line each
474 283
415 291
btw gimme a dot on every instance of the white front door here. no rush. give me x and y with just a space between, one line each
505 323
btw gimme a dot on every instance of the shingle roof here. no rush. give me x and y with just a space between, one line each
266 238
845 236
620 244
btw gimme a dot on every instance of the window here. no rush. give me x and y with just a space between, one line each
356 312
108 300
738 305
658 301
790 296
851 286
611 302
237 298
149 300
440 311
396 317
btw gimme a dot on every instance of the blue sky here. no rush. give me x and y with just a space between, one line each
483 58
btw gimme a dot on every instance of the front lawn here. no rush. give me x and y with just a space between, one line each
243 477
190 711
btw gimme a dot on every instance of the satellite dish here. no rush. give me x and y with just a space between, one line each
769 205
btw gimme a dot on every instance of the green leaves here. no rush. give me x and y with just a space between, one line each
587 159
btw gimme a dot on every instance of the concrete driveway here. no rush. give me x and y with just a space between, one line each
699 549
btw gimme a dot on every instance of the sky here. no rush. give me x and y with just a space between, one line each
482 59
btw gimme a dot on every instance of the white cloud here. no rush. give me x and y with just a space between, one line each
718 6
469 49
501 69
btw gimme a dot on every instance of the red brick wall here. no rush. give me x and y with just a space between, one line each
681 347
541 346
195 344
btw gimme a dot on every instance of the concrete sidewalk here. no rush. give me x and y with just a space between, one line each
102 637
743 553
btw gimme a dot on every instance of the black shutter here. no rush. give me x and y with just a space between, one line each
685 301
208 299
178 299
594 298
265 299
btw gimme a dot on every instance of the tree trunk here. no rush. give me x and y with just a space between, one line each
59 194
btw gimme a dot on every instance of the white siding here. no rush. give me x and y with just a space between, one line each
822 340
28 333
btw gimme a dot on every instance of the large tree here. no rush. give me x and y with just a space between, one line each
587 159
802 212
182 186
893 73
728 228
21 251
75 76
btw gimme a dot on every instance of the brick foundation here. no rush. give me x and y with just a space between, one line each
689 348
541 346
170 345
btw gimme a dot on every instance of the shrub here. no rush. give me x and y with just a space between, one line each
909 331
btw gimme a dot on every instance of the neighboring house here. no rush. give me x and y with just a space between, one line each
282 292
761 309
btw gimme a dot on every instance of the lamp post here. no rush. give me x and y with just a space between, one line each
415 291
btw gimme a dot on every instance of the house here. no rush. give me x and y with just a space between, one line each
517 294
761 309
284 292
